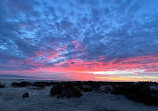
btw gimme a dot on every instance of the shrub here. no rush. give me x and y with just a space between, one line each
85 89
154 91
2 85
69 91
108 89
94 85
139 92
56 90
21 84
52 83
40 84
65 91
120 90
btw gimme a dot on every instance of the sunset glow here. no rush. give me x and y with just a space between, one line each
100 40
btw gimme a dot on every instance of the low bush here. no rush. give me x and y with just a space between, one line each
120 90
65 91
52 83
56 90
108 89
21 84
139 92
84 89
2 85
40 84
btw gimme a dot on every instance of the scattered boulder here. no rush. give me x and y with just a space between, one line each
25 95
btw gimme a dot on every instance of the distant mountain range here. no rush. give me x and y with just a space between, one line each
18 77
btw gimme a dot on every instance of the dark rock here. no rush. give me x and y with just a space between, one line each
25 95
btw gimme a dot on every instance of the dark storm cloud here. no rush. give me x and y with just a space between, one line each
111 28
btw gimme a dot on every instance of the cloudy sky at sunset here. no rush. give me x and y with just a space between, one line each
101 40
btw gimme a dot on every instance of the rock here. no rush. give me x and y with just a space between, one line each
25 95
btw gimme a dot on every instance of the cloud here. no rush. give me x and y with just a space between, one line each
37 34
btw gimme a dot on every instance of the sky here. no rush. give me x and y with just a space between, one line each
98 40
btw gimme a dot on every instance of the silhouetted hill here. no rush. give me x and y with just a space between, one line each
17 77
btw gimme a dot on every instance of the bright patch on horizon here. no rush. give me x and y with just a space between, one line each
115 72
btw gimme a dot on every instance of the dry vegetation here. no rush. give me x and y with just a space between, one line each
139 91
